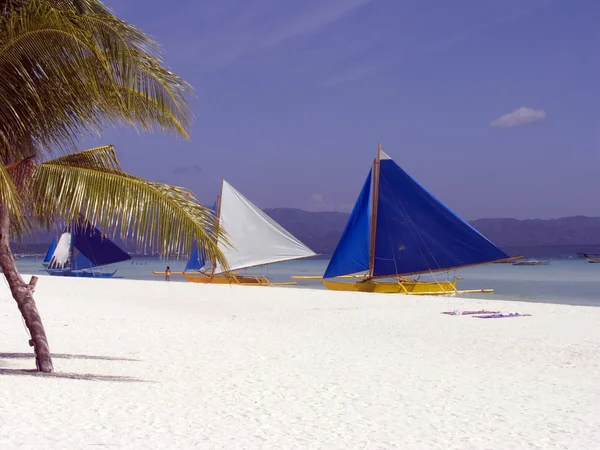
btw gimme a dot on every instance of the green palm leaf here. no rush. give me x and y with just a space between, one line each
64 73
90 185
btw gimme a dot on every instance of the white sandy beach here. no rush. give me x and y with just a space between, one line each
175 365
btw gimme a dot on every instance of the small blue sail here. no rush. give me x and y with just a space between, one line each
97 249
80 262
352 252
416 233
50 251
198 259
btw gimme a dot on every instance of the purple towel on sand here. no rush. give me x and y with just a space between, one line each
501 315
458 312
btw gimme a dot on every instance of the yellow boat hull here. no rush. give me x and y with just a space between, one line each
225 279
410 287
240 280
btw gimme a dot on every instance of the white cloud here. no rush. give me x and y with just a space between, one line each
317 198
312 21
229 32
520 116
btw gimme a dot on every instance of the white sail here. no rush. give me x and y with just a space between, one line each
255 238
61 253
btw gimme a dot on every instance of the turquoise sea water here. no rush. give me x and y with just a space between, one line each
570 281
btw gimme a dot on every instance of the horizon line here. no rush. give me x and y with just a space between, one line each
468 220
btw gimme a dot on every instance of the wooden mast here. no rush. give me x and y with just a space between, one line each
218 221
374 201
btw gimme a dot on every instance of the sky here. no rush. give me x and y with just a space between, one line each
493 106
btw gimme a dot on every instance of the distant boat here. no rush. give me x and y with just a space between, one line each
593 260
589 255
397 230
81 251
255 238
531 262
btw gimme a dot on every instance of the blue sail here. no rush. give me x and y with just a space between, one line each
50 251
352 252
198 259
97 249
80 262
416 233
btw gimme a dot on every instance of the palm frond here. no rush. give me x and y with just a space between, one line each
102 158
81 6
157 216
65 73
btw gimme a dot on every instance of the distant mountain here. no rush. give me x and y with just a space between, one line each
575 230
321 231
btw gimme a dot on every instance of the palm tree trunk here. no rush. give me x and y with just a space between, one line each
23 294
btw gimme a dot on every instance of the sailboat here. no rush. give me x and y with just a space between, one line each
197 261
255 240
49 253
81 250
397 230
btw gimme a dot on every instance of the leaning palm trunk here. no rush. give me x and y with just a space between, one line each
23 294
89 186
68 68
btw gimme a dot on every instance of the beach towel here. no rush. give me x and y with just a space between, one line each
502 315
458 312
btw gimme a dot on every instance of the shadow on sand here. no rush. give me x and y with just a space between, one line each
68 375
65 356
71 376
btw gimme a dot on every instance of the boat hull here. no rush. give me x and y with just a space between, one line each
226 279
79 274
411 287
532 263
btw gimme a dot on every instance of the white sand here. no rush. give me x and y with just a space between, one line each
177 365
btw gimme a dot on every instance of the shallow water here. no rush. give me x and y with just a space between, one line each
568 281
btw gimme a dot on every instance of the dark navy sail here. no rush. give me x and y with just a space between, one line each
97 249
81 248
417 233
352 252
50 251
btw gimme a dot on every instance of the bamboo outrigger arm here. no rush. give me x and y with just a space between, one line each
320 277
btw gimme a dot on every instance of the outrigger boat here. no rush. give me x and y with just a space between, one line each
531 262
589 255
255 240
398 230
80 251
593 258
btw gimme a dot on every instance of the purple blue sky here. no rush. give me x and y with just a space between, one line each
493 106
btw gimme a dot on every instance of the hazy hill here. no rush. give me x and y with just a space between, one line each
322 230
317 229
574 230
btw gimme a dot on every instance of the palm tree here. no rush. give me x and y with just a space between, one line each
70 67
